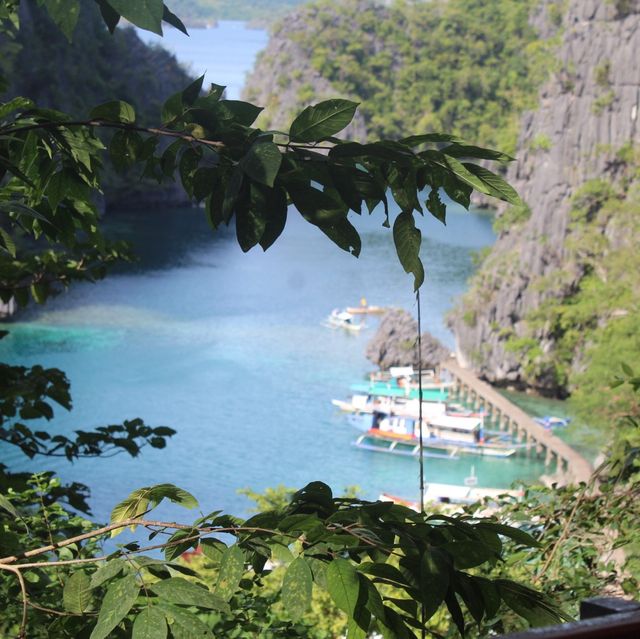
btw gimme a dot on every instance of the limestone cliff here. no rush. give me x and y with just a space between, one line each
587 116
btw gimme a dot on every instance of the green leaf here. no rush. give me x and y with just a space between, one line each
76 595
173 20
343 585
276 207
183 623
430 138
150 624
9 246
493 184
8 506
146 14
297 587
343 234
109 15
243 113
231 571
435 574
476 152
529 604
65 15
106 572
15 104
323 120
118 601
262 162
436 206
178 590
407 239
144 499
114 111
176 549
519 536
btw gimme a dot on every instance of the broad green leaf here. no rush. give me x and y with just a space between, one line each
476 152
173 20
276 217
262 162
16 104
529 604
107 571
436 206
8 506
343 585
76 594
9 246
144 499
455 611
322 120
146 14
297 586
183 623
150 624
430 138
435 574
519 536
317 207
407 239
118 601
177 590
493 184
65 14
342 233
114 111
176 549
243 113
231 571
468 589
110 16
213 549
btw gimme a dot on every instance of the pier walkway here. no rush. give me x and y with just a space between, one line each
570 465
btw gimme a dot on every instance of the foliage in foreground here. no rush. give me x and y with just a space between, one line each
386 567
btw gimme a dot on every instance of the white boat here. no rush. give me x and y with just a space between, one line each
436 493
445 436
342 319
361 403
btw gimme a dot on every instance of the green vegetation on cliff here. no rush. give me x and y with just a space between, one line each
596 323
418 65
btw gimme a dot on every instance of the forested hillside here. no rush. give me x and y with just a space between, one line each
555 304
438 65
200 13
94 67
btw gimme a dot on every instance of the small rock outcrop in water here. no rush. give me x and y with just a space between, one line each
395 343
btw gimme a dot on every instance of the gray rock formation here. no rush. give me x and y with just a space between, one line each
299 83
588 110
395 343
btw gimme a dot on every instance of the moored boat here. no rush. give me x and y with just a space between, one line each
387 389
445 436
550 422
342 319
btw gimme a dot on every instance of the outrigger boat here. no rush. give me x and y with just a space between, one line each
550 422
452 494
342 319
360 403
387 389
445 436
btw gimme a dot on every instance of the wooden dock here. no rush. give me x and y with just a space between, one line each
570 466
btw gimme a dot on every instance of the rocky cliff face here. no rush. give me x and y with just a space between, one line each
588 113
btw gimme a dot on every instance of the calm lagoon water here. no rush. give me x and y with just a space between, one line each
230 349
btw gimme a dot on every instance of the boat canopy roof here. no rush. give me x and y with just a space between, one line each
401 371
428 394
343 315
454 422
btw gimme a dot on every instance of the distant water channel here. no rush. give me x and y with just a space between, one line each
231 351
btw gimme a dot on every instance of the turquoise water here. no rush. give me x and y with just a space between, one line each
230 349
